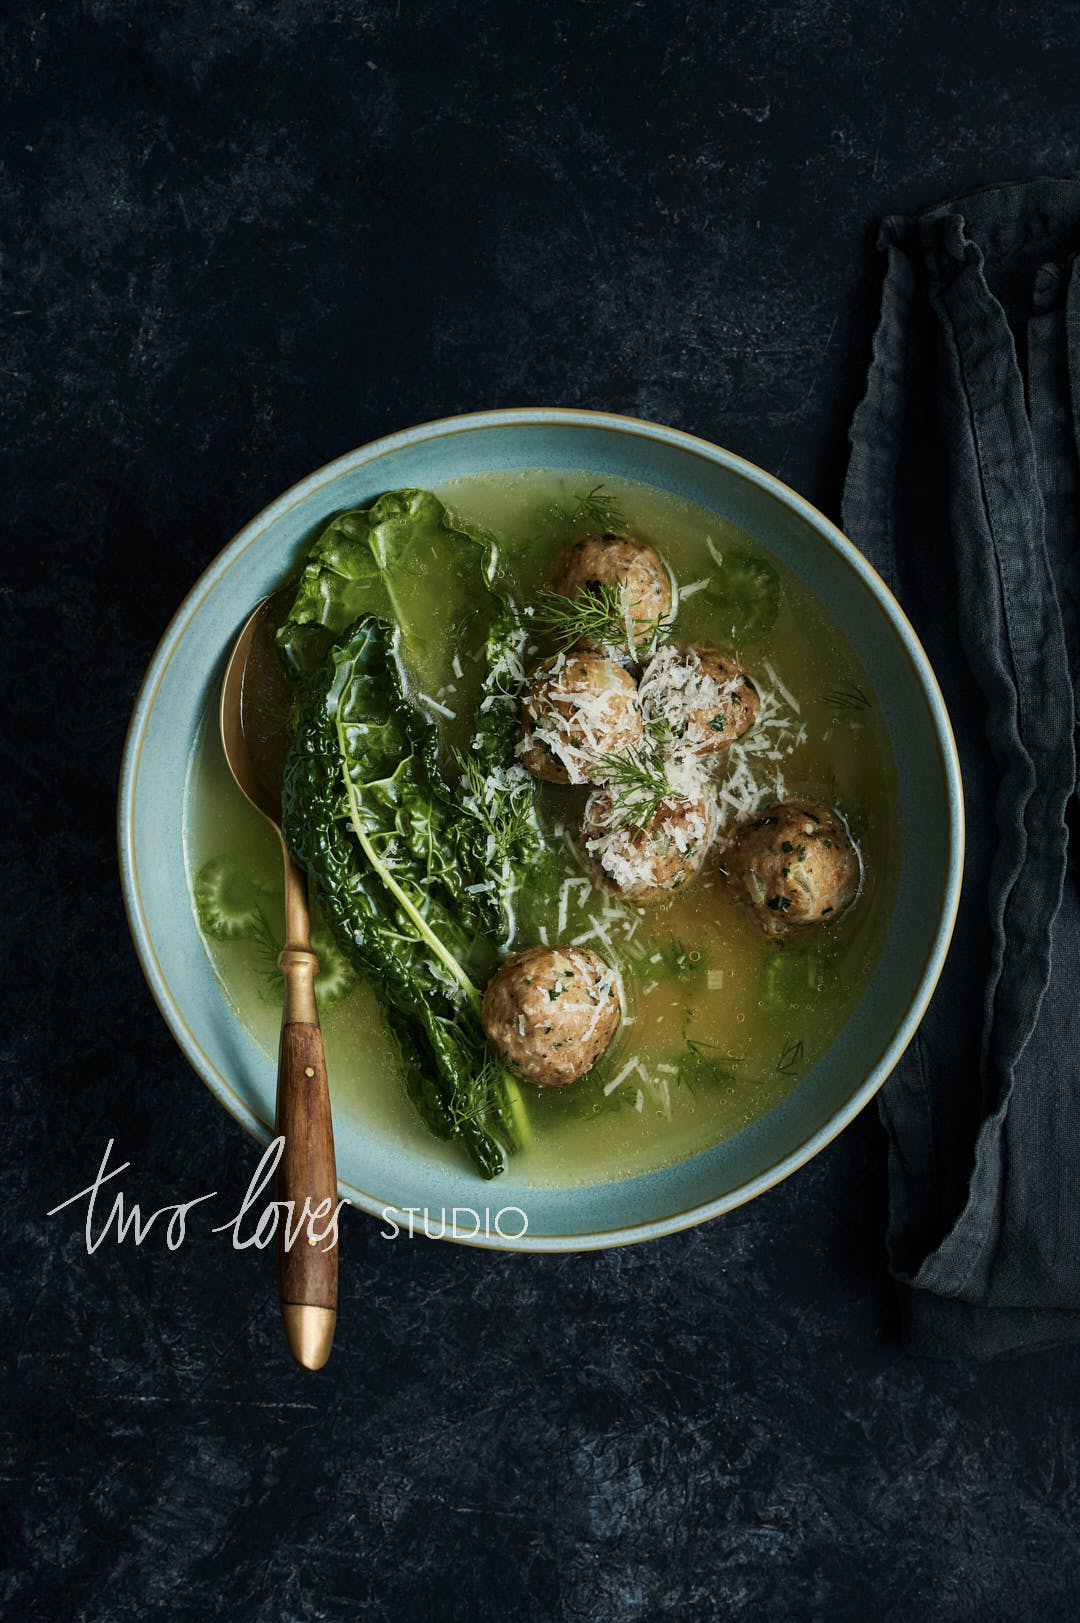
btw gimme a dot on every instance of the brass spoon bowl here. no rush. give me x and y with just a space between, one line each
255 751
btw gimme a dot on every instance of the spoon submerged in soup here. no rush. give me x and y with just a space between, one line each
255 700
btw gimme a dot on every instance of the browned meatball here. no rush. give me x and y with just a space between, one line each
650 861
552 1011
574 709
631 568
697 701
792 865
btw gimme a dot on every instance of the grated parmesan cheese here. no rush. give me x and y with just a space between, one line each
784 692
617 1081
585 886
433 704
576 720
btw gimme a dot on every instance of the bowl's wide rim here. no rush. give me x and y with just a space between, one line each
694 445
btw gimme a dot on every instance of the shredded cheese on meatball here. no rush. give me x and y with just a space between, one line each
577 723
666 849
773 736
676 688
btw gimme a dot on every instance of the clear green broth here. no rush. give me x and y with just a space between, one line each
721 1022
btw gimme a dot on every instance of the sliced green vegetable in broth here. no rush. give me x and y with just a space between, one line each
792 978
228 902
232 906
336 978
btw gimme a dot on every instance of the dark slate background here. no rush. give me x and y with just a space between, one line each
242 238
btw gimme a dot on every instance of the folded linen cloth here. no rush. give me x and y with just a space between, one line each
963 490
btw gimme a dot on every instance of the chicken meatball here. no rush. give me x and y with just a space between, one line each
792 865
576 708
552 1011
632 569
697 701
648 861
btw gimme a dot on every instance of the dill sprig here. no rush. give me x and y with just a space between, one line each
638 783
601 615
598 506
593 509
267 948
492 1102
483 1098
505 818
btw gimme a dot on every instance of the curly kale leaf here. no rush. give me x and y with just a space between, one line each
366 812
463 641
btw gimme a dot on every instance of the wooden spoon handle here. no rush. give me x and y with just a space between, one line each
308 1267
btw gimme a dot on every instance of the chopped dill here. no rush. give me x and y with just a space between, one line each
681 959
791 1056
699 1067
599 615
698 1045
847 697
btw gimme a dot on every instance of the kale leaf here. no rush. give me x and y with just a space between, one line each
403 558
366 811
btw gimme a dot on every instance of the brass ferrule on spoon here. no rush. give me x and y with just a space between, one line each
307 1273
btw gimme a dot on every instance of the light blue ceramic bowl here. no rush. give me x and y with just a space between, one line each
376 1173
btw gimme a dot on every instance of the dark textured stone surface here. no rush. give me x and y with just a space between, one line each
240 240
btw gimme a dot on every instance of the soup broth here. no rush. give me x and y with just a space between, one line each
719 1020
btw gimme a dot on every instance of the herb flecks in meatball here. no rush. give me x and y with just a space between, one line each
697 701
792 865
626 581
552 1011
648 859
576 708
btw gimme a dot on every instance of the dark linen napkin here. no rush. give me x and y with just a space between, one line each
963 490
